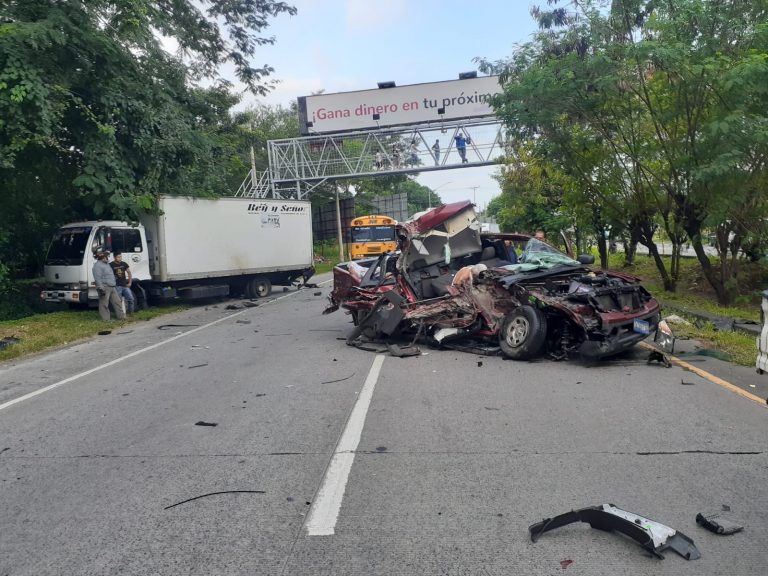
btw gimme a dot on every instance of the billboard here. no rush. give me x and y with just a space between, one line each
398 106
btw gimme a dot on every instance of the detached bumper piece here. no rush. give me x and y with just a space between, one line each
651 535
718 524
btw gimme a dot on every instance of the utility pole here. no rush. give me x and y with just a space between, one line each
338 226
253 169
434 191
474 194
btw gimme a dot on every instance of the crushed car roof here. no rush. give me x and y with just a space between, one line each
434 217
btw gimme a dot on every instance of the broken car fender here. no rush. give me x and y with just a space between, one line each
651 535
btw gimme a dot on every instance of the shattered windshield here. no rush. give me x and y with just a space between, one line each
68 246
540 255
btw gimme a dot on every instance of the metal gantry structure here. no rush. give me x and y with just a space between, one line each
298 165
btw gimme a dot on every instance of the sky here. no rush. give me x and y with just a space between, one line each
344 45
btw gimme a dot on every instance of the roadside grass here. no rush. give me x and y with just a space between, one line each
740 348
694 293
321 267
42 331
39 331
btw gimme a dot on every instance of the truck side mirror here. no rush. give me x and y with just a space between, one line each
586 259
102 239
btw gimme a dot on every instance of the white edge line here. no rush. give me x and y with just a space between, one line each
127 356
322 517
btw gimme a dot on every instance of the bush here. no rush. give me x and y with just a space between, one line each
20 298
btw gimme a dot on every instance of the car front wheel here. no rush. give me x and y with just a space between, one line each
523 332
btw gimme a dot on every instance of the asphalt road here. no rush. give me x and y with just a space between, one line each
430 465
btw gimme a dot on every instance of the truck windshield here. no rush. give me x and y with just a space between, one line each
373 234
68 247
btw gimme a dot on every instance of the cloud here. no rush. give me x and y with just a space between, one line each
289 89
368 15
286 92
459 184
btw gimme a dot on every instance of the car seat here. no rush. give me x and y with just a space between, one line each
488 257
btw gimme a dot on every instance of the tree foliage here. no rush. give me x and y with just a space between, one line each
420 197
97 118
656 111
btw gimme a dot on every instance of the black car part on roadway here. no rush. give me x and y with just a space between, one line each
651 535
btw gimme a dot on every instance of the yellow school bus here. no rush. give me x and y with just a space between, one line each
372 235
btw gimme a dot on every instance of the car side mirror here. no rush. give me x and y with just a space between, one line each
586 259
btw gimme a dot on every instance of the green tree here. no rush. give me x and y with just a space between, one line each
657 110
96 118
420 197
532 196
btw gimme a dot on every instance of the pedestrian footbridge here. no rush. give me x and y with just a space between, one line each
298 165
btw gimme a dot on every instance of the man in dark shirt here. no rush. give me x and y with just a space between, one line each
123 277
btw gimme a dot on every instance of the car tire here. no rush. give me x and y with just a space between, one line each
523 332
248 290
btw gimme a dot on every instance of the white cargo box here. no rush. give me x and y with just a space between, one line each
202 238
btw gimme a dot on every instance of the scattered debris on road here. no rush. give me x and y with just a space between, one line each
166 326
718 524
651 535
565 563
659 357
370 346
104 332
214 494
403 351
339 380
242 321
202 423
197 366
473 347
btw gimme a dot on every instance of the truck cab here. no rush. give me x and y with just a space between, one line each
69 261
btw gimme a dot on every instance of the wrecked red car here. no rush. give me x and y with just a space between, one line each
448 282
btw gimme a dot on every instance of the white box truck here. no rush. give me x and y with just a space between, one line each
195 248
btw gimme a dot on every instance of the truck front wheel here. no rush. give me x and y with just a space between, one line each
141 301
